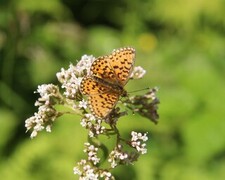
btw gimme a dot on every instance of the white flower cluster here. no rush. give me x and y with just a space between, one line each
72 97
136 141
85 169
72 77
117 156
91 151
107 175
83 104
92 124
46 114
137 73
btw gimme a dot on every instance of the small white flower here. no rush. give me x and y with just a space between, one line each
33 134
87 120
77 171
91 134
48 128
107 175
91 151
83 104
116 156
38 127
82 162
83 122
138 72
85 64
29 122
91 117
136 141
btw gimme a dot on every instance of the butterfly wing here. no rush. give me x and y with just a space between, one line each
90 86
122 62
101 98
108 76
101 68
102 104
116 67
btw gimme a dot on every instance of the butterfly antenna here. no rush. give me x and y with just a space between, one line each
140 90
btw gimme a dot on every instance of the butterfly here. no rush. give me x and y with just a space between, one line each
105 83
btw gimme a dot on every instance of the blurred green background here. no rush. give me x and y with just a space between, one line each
181 44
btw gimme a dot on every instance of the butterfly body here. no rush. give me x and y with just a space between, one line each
108 75
112 87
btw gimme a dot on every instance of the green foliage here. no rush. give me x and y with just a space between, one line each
180 44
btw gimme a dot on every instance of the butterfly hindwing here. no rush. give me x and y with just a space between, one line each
102 104
90 86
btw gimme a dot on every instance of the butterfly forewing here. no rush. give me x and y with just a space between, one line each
101 68
122 61
116 67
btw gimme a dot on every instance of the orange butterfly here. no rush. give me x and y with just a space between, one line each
108 75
